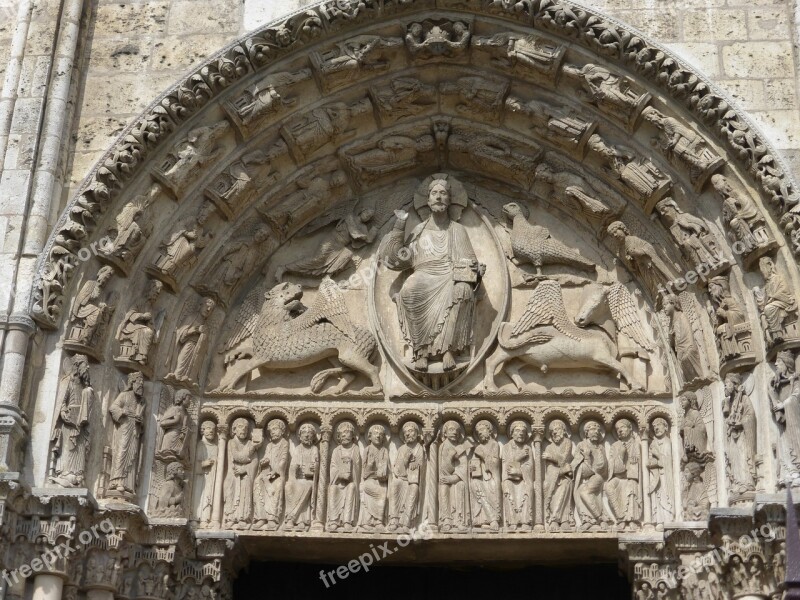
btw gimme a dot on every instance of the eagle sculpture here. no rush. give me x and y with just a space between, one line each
533 244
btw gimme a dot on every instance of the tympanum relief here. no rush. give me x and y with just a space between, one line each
432 273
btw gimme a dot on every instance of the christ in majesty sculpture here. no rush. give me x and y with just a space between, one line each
436 302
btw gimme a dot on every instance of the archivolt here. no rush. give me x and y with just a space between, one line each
344 98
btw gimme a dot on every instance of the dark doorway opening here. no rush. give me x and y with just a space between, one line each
288 581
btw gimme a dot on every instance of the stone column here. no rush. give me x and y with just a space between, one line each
222 449
645 482
318 524
538 484
430 499
99 595
47 587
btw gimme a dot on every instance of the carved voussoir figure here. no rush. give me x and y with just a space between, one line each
240 475
69 442
686 342
403 97
169 500
777 305
693 236
269 486
695 459
191 344
623 486
130 233
747 228
454 467
127 414
784 391
432 40
205 473
731 325
517 479
480 98
610 92
346 62
641 259
179 251
485 478
685 145
575 193
235 187
554 123
741 465
345 474
516 51
202 146
353 231
174 425
239 260
301 484
283 334
137 333
640 175
558 457
590 468
89 315
310 131
374 480
264 99
407 474
662 476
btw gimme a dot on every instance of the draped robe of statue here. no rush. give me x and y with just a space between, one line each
685 345
695 434
268 490
789 418
137 329
374 480
517 461
88 310
740 424
435 310
622 489
300 484
454 497
778 302
175 424
192 339
239 479
558 481
407 472
71 434
662 482
484 482
345 473
205 472
127 412
591 472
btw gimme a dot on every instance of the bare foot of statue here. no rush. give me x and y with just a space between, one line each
421 364
448 362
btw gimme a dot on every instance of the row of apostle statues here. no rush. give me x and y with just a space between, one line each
455 482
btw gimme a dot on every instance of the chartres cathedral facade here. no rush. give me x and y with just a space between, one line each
478 281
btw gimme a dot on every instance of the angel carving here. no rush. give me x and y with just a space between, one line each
277 331
355 228
262 98
544 336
